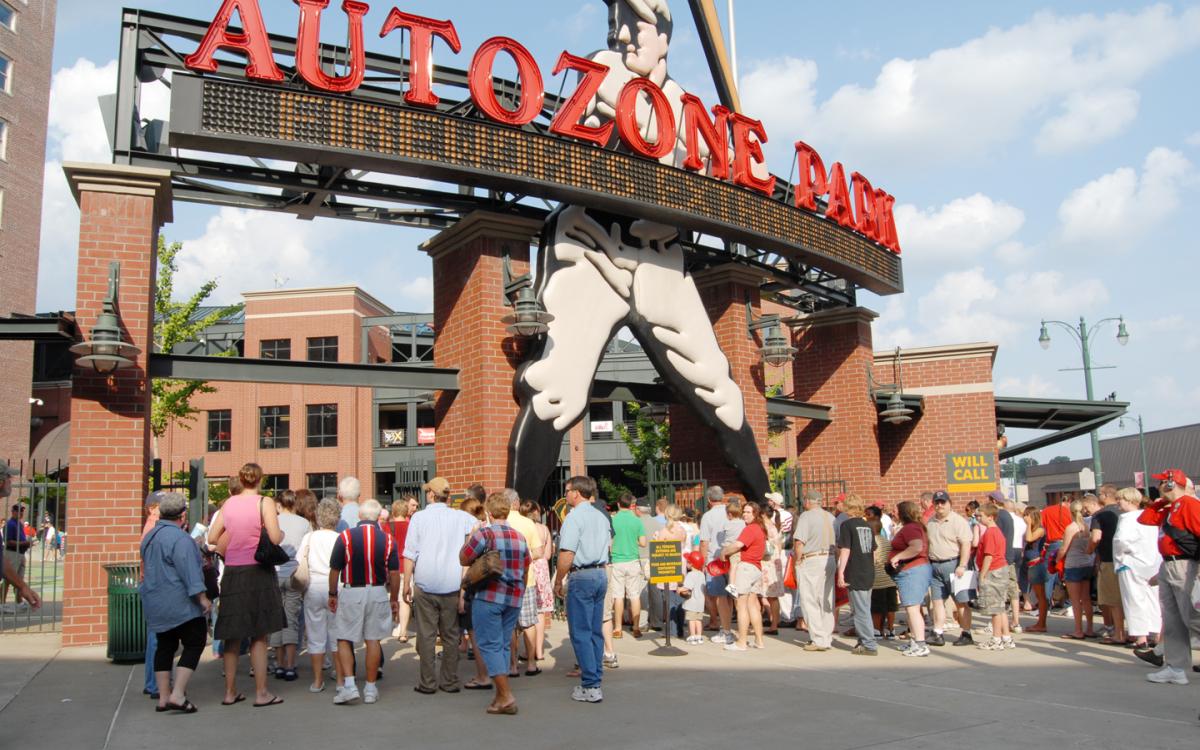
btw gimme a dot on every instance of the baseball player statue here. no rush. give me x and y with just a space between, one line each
599 272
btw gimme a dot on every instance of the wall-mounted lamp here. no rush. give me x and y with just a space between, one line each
777 423
657 412
894 412
106 351
528 318
776 349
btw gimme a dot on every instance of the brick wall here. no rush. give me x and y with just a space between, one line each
959 417
474 425
724 291
831 368
25 111
121 210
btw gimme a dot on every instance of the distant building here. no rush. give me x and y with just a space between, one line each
26 46
1121 460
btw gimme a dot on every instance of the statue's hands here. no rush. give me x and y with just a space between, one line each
600 247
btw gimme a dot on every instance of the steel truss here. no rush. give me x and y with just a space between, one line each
151 51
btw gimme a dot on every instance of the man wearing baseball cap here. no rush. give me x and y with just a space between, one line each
12 568
1178 515
433 581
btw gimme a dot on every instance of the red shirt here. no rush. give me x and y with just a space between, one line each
991 543
399 532
755 540
907 533
1055 521
1183 516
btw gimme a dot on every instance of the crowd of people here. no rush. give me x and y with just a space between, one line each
480 576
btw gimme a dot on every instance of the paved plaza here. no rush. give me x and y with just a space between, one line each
1048 693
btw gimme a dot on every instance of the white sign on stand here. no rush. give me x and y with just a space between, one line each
1087 479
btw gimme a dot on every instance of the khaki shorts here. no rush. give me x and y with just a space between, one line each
16 560
747 579
363 614
1014 584
608 595
693 616
627 580
1108 591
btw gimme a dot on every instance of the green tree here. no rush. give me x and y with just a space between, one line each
1017 468
1060 460
174 323
649 442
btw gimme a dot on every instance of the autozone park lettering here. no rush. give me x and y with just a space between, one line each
852 203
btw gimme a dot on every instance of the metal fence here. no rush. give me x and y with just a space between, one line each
35 543
799 479
680 483
411 478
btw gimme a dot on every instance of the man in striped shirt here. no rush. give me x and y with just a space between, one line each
367 564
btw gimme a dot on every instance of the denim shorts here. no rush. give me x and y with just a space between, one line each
715 585
941 585
913 584
1078 575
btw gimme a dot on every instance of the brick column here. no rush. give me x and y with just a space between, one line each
121 210
831 368
473 426
724 291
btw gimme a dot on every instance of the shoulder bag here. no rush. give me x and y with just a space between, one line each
487 566
268 554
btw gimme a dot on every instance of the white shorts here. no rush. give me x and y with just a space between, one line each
317 619
363 614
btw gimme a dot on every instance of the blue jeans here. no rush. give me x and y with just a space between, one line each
1051 576
493 631
151 648
585 617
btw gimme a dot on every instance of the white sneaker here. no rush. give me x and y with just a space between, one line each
370 693
734 647
1008 642
915 650
722 637
587 695
1168 676
345 695
992 644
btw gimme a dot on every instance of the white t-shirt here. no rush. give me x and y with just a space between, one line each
889 526
694 582
320 549
1019 528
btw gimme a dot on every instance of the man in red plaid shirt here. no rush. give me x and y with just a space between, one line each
497 600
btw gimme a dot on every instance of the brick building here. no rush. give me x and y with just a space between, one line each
26 44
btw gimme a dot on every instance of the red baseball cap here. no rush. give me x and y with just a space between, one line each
694 559
1174 475
718 567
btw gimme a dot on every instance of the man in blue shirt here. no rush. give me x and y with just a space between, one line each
583 553
14 561
347 494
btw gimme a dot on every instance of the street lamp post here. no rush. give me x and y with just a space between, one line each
1083 337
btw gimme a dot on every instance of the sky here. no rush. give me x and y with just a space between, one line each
1043 156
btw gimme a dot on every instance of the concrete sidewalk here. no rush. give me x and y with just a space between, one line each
1048 693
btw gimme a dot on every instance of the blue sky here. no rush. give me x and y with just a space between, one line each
1043 158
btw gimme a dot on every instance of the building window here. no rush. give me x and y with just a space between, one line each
275 349
5 74
322 426
3 140
323 349
273 484
322 484
8 17
220 423
274 427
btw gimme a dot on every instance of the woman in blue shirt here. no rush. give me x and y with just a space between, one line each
174 601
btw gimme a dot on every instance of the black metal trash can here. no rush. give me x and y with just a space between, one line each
126 625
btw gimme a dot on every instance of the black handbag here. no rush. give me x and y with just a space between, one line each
268 554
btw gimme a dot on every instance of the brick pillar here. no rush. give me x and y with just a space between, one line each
121 210
474 425
831 368
724 291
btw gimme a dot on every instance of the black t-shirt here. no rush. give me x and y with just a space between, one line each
1106 520
856 536
1005 522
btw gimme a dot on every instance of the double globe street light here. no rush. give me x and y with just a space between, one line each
1083 336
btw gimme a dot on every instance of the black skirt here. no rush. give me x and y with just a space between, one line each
250 604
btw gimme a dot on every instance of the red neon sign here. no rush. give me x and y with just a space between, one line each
854 204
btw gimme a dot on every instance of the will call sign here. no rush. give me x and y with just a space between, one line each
723 144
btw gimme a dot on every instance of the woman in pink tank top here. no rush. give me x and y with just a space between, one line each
250 606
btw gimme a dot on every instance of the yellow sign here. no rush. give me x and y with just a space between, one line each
666 562
970 472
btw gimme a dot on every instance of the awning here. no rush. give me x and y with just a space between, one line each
1068 418
53 450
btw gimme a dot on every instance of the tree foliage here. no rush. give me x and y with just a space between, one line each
1017 468
648 442
1060 460
175 323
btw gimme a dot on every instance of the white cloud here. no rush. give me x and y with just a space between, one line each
962 101
1193 139
1110 211
958 230
1034 386
1089 118
418 293
1015 253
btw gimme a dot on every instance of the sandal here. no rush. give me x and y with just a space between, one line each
275 701
509 710
1072 637
533 672
474 685
187 707
1110 641
162 709
1091 635
237 699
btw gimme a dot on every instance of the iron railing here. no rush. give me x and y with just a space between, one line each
41 489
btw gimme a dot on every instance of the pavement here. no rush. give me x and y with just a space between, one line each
1048 693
